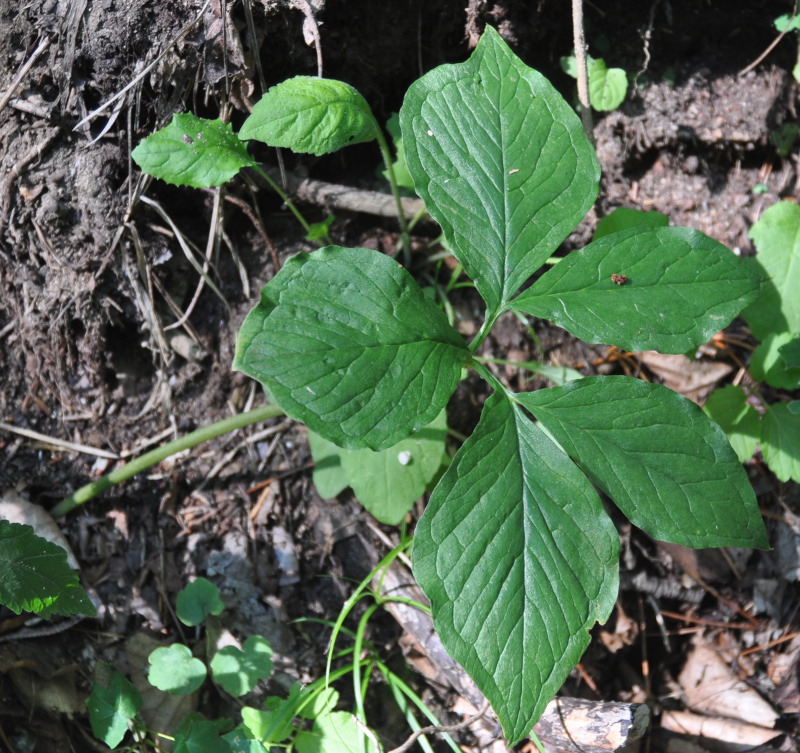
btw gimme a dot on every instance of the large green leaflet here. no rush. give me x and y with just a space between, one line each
501 162
665 464
519 560
346 342
681 288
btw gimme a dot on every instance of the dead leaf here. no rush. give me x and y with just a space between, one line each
695 379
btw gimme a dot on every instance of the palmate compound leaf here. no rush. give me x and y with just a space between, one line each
35 576
346 342
310 115
519 560
674 289
193 151
662 461
501 161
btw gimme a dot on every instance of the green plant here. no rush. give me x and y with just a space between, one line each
607 86
304 720
774 319
114 703
786 24
514 550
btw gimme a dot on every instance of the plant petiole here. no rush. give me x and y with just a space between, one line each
149 459
405 238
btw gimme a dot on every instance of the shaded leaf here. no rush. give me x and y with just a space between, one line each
198 735
310 115
681 287
329 476
35 576
240 740
519 560
777 238
780 441
729 408
665 464
346 342
623 218
768 365
112 705
790 353
332 733
501 162
238 670
197 600
388 482
193 151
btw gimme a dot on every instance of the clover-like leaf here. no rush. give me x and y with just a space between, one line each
346 342
519 560
174 669
662 461
193 151
35 576
310 115
238 670
657 288
729 408
112 705
197 600
501 162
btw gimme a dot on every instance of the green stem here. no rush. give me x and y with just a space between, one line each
486 327
143 462
405 238
284 198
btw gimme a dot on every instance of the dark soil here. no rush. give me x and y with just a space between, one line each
92 277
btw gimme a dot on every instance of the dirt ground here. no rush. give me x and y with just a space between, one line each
94 275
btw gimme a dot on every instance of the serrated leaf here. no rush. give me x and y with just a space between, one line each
607 86
238 670
35 576
111 706
623 218
174 670
346 342
388 482
310 115
767 364
198 735
662 461
501 162
674 289
777 238
519 560
193 151
780 441
197 600
729 408
329 476
332 733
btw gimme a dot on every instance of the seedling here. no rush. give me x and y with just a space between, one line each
514 550
607 86
774 319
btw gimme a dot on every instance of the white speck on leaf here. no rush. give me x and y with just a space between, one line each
404 457
430 133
